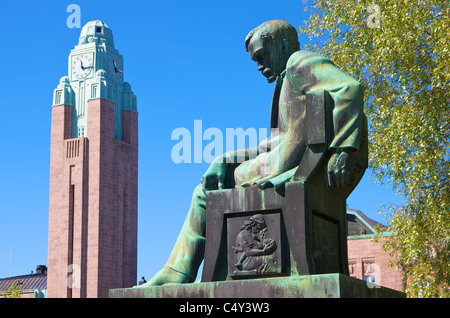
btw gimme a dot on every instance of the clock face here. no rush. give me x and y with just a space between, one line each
82 66
115 69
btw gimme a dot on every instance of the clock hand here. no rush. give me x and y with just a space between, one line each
115 67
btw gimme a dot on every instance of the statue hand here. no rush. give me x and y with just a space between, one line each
237 249
214 177
269 247
339 168
262 183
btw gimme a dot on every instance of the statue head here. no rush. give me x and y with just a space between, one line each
270 45
254 224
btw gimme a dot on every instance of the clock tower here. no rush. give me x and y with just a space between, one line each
93 173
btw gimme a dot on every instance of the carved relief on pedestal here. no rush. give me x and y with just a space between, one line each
253 247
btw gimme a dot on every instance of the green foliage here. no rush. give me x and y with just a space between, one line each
13 291
400 51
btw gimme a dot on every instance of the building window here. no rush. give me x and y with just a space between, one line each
369 271
98 29
80 132
94 91
58 97
352 268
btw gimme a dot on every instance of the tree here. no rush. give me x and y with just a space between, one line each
400 51
13 291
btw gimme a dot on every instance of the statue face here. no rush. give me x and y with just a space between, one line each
258 223
270 57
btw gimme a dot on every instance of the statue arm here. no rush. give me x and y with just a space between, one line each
241 155
281 159
214 178
309 72
312 72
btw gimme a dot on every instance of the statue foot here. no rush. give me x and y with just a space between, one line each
167 275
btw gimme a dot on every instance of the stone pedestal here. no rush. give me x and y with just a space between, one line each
308 286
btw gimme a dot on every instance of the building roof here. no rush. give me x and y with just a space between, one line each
28 282
358 224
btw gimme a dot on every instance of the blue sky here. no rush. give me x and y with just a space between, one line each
185 61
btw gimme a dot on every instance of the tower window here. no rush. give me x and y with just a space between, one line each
98 29
80 132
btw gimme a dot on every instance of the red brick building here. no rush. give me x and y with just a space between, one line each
367 260
93 173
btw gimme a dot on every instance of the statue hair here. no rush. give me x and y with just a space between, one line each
275 30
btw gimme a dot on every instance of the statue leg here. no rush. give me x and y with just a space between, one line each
189 249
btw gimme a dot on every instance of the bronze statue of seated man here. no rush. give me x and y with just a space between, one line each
274 46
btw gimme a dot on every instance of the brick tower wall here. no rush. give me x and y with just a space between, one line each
93 204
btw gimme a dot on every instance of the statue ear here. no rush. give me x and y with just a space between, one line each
285 45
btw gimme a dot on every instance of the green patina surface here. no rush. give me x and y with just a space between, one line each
95 71
309 286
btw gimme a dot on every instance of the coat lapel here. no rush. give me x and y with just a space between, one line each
275 101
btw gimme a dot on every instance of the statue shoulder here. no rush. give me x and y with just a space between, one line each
301 59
